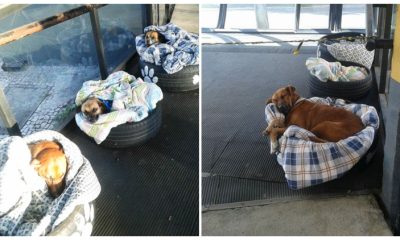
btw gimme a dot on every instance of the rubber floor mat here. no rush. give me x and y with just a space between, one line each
236 159
151 189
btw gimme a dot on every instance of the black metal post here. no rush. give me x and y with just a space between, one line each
147 15
8 117
98 40
297 17
387 23
222 16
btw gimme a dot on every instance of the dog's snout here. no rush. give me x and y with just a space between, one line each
283 108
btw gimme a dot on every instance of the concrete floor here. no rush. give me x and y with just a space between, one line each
339 216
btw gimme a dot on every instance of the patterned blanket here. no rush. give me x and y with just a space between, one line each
334 71
181 49
26 207
132 100
307 163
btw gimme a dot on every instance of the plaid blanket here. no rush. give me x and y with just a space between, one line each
26 207
181 49
307 163
132 100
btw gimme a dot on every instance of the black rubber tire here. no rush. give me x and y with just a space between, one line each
181 81
134 133
346 90
322 46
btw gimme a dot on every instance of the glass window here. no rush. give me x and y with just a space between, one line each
240 16
120 24
20 14
279 16
209 15
314 16
353 16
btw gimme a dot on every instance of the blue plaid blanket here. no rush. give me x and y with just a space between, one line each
181 49
307 163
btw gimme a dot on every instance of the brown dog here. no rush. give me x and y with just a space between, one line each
49 160
92 108
328 123
153 37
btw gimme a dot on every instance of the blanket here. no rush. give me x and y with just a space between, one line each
307 163
26 207
334 71
181 49
132 100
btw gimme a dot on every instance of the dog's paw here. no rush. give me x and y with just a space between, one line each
274 147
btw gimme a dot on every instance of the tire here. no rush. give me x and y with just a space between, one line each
323 52
78 223
181 81
134 133
352 90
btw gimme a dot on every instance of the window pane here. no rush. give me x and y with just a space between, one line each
260 16
240 16
120 24
209 15
314 16
48 69
353 16
280 16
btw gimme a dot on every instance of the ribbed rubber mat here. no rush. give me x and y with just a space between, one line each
235 154
151 189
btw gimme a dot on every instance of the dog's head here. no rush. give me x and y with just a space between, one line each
284 99
92 108
153 37
49 160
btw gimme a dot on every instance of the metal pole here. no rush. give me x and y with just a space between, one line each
8 117
222 16
369 20
387 23
297 17
98 40
28 29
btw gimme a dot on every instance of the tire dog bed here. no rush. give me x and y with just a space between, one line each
173 64
307 163
133 116
182 81
134 133
333 49
351 90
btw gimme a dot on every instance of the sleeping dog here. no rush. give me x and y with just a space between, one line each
93 107
329 124
49 161
154 37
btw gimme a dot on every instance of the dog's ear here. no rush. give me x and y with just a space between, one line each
290 89
268 101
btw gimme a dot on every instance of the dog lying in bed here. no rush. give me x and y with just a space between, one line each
154 37
49 160
328 123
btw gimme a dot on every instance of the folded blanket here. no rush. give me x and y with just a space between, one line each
307 163
352 52
334 71
132 100
26 207
181 49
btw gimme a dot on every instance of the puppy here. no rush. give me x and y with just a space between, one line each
49 160
328 123
154 37
93 107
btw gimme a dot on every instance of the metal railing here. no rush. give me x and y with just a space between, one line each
334 25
